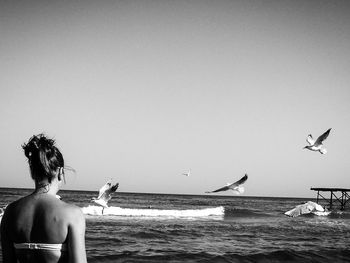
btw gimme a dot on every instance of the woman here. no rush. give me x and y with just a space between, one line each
40 227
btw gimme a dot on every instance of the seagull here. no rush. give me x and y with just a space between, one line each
236 186
105 194
307 208
187 174
317 145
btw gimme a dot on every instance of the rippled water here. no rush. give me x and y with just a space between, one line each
252 229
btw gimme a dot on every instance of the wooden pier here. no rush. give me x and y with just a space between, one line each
338 196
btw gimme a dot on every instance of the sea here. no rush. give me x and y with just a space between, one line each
143 227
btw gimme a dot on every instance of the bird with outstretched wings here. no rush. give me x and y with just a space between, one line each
236 186
318 144
105 194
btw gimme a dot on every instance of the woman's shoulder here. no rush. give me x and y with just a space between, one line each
71 208
74 217
72 211
14 205
12 210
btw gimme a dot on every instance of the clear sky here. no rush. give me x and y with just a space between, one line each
142 91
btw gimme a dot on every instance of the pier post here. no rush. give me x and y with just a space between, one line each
331 201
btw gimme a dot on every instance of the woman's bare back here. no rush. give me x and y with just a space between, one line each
41 218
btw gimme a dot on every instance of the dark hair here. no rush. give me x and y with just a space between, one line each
44 157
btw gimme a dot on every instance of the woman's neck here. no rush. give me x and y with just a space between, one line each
44 187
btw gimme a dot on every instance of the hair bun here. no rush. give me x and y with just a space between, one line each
31 147
37 143
44 143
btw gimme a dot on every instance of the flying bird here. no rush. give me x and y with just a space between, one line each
187 174
105 194
307 208
317 145
237 187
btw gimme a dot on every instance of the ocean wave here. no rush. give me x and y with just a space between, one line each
188 213
241 212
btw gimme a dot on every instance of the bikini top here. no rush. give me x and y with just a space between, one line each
43 246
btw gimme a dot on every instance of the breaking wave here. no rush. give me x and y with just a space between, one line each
189 213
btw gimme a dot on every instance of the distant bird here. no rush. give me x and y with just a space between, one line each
187 174
317 145
307 208
237 187
105 194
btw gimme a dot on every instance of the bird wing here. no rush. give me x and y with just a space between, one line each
225 188
234 186
114 188
239 182
103 189
310 140
107 195
322 137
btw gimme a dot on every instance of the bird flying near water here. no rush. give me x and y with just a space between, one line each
237 187
317 145
307 208
105 194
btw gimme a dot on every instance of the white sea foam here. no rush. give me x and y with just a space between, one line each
118 211
319 213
